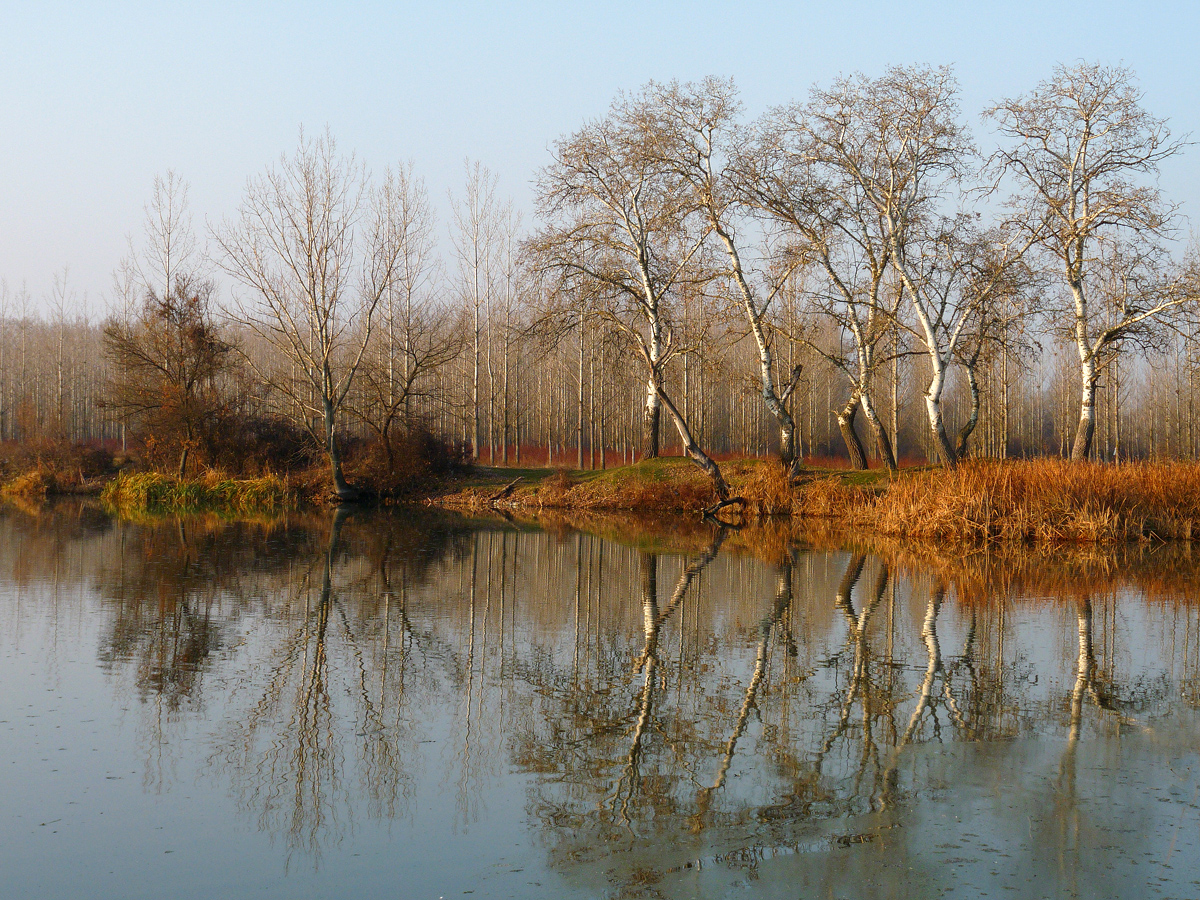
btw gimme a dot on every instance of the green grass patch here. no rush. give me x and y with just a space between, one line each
149 493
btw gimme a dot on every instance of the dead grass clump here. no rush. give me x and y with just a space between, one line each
33 485
768 490
554 490
1046 500
832 498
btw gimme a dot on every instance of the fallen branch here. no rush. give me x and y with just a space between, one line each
504 491
739 502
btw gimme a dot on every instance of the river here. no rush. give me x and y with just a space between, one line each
418 705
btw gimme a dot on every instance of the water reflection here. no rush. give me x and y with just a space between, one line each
671 706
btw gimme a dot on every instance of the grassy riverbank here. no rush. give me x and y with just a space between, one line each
664 485
1042 501
1030 501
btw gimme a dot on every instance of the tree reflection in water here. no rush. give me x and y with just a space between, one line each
344 666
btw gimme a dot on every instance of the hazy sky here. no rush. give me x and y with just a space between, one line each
98 98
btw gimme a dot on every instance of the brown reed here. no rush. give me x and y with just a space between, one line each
1043 500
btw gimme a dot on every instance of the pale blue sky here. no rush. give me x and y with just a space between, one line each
98 98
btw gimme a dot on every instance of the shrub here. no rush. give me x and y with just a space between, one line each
56 466
259 445
410 460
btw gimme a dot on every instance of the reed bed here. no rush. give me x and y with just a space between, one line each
1042 501
151 492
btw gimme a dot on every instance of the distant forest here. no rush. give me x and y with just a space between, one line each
851 275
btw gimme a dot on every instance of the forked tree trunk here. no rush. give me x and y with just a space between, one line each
941 439
882 444
964 433
933 408
854 446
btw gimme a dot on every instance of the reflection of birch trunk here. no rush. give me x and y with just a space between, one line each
681 587
652 622
647 664
1067 810
766 628
860 673
1085 687
934 651
1084 663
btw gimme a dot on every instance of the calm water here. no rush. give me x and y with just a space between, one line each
404 706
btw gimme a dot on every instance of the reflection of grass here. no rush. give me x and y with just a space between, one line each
148 493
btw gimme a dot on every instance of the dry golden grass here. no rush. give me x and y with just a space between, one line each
33 485
1045 500
767 489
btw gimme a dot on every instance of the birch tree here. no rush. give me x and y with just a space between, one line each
697 132
1081 148
616 231
899 141
315 248
814 198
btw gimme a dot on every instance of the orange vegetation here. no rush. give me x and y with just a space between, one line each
1044 500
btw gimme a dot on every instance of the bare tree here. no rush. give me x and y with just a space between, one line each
616 232
1079 143
697 135
417 332
803 171
316 246
170 248
898 140
477 216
